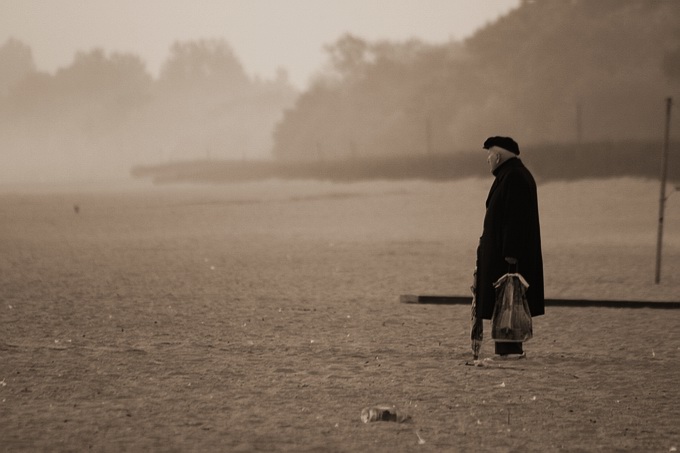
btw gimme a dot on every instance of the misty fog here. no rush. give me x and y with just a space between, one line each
105 113
549 72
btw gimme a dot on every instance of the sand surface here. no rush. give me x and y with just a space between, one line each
265 316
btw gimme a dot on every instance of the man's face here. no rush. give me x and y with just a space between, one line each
493 158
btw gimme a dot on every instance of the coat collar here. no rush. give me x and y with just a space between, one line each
507 165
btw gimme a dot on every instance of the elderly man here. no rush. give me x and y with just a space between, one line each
511 239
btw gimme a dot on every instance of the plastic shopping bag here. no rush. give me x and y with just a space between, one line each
511 319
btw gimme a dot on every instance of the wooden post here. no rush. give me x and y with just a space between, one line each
662 195
579 125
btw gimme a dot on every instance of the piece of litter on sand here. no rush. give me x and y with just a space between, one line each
482 362
502 384
673 449
385 413
421 441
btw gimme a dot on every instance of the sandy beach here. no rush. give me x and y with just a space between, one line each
265 316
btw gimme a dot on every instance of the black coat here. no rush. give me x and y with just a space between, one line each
511 229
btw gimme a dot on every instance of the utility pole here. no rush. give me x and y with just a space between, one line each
428 136
662 195
579 124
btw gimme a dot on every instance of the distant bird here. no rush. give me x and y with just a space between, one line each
76 208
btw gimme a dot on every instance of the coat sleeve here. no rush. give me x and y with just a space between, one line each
515 216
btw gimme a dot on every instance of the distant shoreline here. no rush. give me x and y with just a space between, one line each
548 162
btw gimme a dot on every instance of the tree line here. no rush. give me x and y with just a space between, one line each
105 111
550 71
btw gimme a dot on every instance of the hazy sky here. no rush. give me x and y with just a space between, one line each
265 34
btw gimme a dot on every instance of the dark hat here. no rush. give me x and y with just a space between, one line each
506 143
